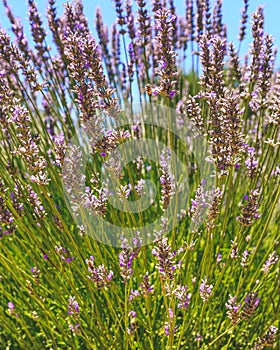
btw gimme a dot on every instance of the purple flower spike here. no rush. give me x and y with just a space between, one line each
172 93
73 307
75 329
183 296
132 314
11 309
205 290
250 209
251 303
233 309
65 254
99 274
166 329
11 306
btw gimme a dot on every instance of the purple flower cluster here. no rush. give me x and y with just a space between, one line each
99 274
198 205
74 312
75 328
165 259
36 274
128 254
60 148
215 199
73 307
183 297
146 287
133 323
35 203
64 253
96 203
272 260
169 325
167 181
37 30
256 50
194 112
72 177
243 21
167 70
251 303
28 148
133 294
11 307
268 339
245 258
234 254
18 31
233 309
205 290
251 163
111 140
250 210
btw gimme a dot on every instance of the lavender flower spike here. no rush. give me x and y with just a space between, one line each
165 257
183 296
146 287
205 290
272 260
73 307
100 275
268 340
233 309
250 305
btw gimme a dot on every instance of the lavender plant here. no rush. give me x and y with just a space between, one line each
193 267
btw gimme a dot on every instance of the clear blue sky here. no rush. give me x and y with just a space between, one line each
231 11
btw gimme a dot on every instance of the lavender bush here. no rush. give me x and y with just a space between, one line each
206 276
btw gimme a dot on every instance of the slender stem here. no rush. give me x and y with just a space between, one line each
219 337
126 316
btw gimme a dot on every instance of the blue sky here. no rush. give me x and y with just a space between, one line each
231 12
